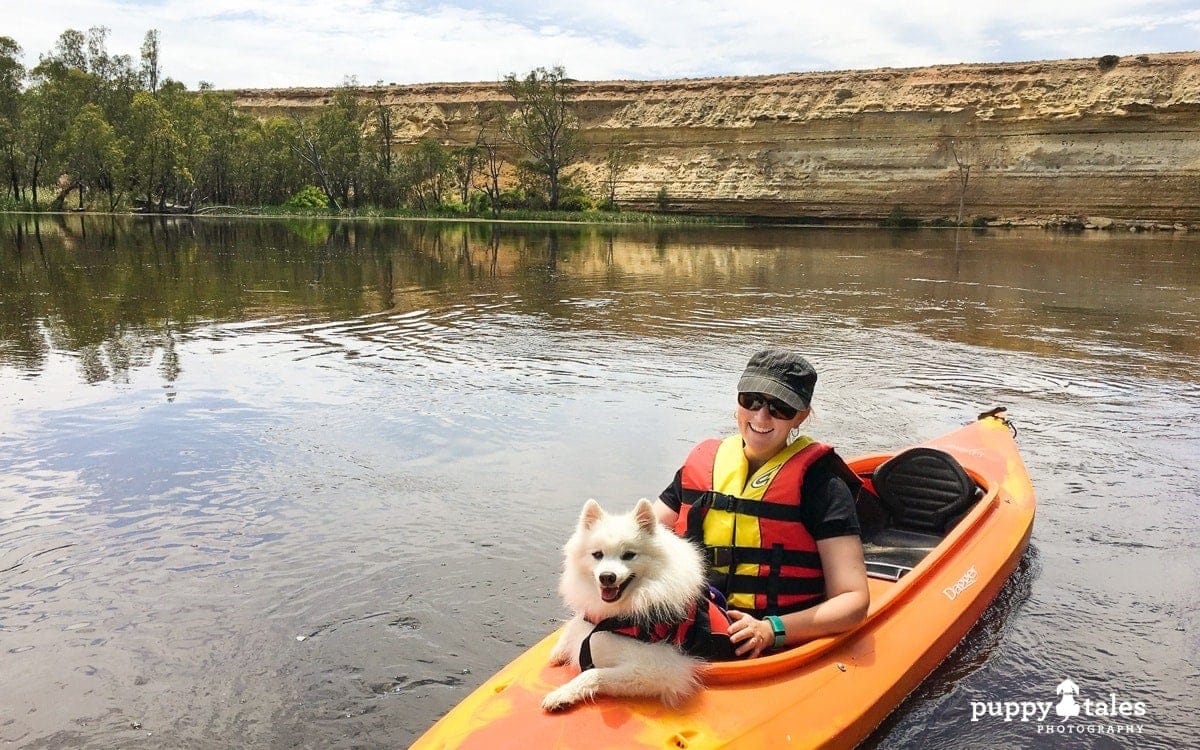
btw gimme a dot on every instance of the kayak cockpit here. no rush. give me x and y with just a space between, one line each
908 504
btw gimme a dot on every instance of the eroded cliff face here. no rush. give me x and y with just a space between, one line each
1065 138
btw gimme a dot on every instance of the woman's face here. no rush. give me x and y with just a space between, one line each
762 434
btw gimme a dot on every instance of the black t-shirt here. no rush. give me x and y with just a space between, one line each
826 509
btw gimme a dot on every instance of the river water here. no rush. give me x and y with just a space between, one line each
304 484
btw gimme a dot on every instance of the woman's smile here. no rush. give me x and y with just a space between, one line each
762 435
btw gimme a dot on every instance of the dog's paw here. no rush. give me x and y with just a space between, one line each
559 700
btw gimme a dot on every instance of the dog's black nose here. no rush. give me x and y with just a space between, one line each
608 579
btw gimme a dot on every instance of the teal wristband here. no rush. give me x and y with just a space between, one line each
780 631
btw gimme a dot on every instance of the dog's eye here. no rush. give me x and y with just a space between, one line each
598 555
627 556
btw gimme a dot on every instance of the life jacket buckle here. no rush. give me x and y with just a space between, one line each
720 557
722 501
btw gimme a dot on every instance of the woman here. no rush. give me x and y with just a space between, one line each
776 516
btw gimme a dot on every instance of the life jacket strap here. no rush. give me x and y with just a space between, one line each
776 567
761 584
712 500
721 557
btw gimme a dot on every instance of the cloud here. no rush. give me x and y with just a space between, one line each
254 43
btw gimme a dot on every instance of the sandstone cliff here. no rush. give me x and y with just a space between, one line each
1077 138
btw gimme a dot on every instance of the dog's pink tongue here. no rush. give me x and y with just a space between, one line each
610 594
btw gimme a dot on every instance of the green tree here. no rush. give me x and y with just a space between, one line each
34 142
153 154
60 86
270 168
12 74
379 180
618 157
77 72
465 165
150 71
426 168
92 154
385 129
543 125
115 77
192 142
69 50
80 64
222 131
487 118
46 107
331 144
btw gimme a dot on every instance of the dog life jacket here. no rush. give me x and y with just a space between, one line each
703 633
760 554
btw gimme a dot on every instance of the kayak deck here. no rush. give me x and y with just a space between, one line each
830 692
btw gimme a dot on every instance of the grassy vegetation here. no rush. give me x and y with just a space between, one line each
455 212
452 211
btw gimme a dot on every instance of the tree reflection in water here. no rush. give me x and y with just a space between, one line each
119 291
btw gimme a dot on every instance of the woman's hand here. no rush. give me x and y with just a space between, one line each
750 636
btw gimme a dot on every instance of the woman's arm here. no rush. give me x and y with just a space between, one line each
846 601
666 516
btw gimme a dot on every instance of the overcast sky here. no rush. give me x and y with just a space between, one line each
255 43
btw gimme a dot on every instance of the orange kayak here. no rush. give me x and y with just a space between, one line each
928 588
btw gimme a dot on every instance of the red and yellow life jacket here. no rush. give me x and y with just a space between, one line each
760 553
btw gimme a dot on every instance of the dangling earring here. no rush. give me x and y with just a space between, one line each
793 434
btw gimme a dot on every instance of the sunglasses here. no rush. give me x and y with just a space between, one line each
775 407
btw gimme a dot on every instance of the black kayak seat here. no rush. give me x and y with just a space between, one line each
924 490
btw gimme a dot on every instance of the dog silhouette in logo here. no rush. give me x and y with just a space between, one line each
1067 707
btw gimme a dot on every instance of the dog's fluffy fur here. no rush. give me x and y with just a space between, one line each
626 566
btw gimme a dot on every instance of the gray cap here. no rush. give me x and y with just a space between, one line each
785 375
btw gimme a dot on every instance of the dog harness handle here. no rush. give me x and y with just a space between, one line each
585 648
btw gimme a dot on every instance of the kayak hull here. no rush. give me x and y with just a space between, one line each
829 693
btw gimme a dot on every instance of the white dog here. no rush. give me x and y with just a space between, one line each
625 575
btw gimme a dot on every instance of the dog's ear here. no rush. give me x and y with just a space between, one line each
592 512
644 513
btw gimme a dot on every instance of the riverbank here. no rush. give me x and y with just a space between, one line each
514 216
620 218
1115 137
